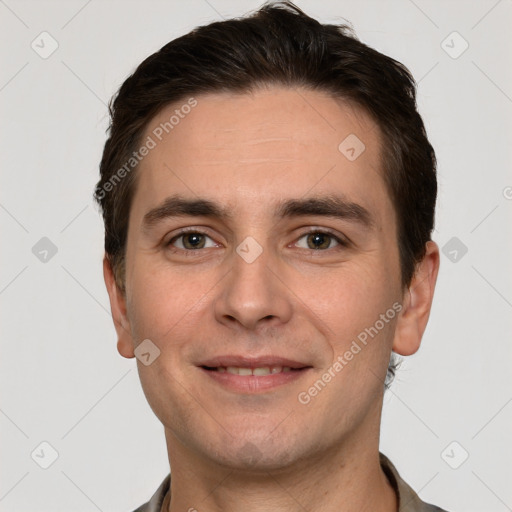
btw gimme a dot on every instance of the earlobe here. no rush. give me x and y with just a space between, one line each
417 303
119 314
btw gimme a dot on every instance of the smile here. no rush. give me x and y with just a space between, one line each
244 371
247 380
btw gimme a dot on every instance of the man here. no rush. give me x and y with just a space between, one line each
268 192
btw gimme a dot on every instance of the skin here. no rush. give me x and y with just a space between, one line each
232 451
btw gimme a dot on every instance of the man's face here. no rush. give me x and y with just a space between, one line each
279 281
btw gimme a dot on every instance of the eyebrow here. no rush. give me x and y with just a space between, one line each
326 206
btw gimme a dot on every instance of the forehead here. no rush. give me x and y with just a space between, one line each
267 143
221 123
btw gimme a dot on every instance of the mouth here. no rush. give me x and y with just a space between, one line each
247 371
252 375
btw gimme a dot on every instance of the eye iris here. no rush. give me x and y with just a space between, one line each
318 241
193 241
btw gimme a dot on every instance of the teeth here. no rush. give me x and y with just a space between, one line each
266 370
262 371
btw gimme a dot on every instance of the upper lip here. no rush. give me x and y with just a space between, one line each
251 362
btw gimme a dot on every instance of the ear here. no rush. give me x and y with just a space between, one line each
417 303
118 308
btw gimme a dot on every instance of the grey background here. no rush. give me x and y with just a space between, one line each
62 380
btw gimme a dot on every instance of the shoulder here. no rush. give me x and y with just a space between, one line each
155 503
408 499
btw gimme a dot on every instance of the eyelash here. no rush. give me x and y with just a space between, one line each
343 242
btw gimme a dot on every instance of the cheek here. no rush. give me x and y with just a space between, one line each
352 299
154 304
358 310
361 313
163 303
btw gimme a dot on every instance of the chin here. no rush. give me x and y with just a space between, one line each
257 452
251 458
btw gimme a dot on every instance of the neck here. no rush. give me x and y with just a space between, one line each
340 479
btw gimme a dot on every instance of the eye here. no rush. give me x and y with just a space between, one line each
314 240
191 240
319 240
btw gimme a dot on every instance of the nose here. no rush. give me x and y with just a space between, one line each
253 294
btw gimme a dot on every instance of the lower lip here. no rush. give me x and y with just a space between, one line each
254 383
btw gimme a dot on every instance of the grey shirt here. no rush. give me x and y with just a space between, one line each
408 500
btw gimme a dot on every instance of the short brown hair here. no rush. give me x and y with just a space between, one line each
280 45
